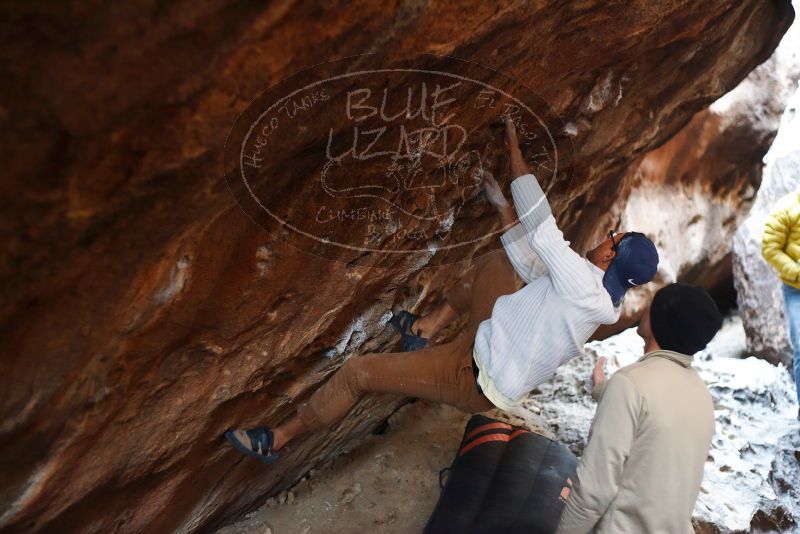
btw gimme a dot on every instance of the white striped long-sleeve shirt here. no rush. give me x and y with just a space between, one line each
546 323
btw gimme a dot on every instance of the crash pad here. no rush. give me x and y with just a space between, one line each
504 479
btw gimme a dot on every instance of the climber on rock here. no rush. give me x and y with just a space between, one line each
515 337
641 470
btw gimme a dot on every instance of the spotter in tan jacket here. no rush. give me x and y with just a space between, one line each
641 470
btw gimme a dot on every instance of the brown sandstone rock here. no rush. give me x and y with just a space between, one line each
143 312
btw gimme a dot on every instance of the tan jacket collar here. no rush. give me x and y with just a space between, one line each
683 360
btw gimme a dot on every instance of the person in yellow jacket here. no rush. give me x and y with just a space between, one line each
780 246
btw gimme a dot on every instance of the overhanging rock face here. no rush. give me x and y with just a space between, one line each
143 311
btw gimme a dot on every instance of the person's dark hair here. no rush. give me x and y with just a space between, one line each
684 318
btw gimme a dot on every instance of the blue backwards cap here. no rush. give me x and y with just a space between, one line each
635 263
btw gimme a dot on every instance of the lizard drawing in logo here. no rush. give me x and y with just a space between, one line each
425 174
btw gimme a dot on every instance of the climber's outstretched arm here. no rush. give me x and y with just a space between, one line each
530 198
518 166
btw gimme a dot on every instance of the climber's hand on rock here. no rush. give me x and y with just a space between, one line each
599 373
493 192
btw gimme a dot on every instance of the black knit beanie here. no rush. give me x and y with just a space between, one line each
684 318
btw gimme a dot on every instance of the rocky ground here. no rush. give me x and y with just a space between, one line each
390 483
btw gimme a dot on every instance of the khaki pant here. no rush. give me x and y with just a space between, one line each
441 373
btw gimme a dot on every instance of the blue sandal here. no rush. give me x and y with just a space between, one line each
402 321
261 439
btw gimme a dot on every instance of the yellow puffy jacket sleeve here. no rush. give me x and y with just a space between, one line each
773 244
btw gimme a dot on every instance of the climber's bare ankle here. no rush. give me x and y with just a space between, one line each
279 438
287 432
423 327
428 326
